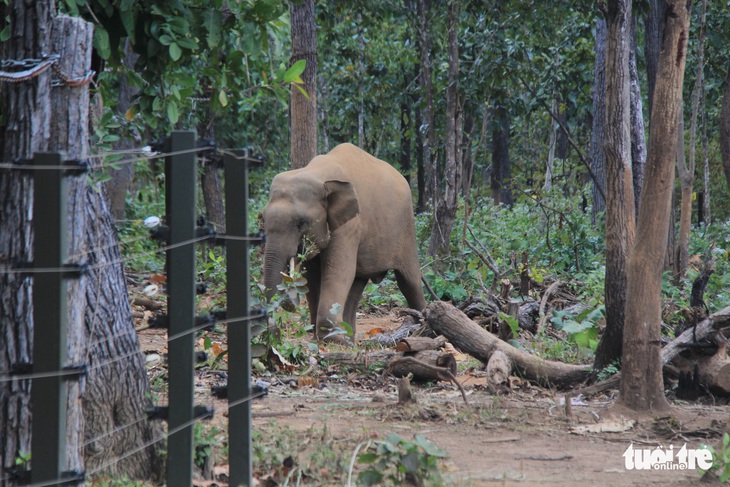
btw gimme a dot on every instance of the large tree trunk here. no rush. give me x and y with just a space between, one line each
26 115
653 34
501 179
638 137
598 135
620 223
641 379
446 203
303 110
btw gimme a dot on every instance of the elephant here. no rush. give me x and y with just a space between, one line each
357 212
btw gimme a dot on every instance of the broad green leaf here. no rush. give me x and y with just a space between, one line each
175 51
223 98
172 112
370 477
101 43
367 457
302 91
212 23
295 71
166 40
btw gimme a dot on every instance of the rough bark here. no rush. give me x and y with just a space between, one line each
653 34
725 128
405 133
598 156
501 179
447 202
117 187
470 338
638 137
641 380
26 129
686 179
499 369
426 366
715 371
620 212
303 110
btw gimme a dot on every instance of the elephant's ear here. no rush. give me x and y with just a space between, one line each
342 203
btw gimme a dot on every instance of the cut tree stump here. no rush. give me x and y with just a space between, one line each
470 338
499 369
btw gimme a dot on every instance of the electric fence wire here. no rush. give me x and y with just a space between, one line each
138 449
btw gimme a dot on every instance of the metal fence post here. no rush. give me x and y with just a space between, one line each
180 177
239 336
50 315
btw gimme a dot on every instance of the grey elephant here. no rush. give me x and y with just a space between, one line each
357 212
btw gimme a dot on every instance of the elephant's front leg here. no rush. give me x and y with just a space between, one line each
338 275
353 299
313 275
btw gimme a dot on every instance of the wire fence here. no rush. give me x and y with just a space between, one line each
98 263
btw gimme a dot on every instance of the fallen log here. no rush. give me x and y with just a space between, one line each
419 344
470 338
442 373
360 359
499 369
715 371
715 322
426 368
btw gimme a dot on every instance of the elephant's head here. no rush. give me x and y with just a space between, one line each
301 205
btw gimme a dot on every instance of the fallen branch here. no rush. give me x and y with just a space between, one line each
442 373
469 337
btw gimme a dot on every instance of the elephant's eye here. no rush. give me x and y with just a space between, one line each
300 224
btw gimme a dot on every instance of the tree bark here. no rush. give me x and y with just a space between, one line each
470 338
499 369
686 178
725 128
26 129
598 134
641 379
303 110
447 203
501 179
427 121
620 213
405 132
638 137
653 34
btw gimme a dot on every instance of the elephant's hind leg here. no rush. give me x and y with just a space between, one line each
353 299
410 285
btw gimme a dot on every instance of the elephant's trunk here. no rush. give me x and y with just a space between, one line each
274 265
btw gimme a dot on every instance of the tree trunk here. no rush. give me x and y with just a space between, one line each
210 180
641 379
447 203
620 223
725 128
552 142
303 110
638 137
686 177
501 180
405 132
26 129
653 35
598 155
121 178
427 128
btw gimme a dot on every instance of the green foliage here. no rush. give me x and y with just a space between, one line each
720 459
581 329
611 369
397 461
205 441
23 459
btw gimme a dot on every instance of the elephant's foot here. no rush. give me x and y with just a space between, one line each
325 334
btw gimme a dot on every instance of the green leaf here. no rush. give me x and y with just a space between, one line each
212 23
223 98
295 71
172 112
166 40
303 92
101 43
175 51
370 477
512 322
367 457
5 34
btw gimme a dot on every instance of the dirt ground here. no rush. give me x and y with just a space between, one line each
524 438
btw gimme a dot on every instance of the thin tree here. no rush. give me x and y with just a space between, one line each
620 217
598 155
427 129
303 109
641 372
446 203
725 128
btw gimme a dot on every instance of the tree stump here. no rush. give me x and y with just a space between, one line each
499 369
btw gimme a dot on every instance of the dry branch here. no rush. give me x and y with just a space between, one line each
466 335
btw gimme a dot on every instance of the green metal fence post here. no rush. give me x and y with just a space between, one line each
180 177
50 315
239 336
